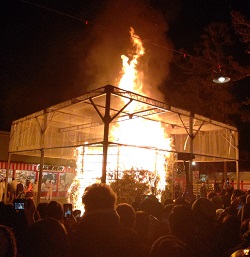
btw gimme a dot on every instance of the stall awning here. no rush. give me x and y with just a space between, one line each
36 167
18 166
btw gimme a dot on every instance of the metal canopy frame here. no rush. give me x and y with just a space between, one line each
88 120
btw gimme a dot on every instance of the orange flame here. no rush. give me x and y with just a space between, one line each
141 133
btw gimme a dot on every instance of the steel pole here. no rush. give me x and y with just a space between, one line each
106 120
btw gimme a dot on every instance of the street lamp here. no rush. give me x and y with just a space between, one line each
221 79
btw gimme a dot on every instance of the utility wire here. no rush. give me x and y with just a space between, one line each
108 29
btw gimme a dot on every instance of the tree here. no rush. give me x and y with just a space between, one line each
195 90
131 185
242 28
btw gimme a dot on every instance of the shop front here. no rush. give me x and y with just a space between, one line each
60 176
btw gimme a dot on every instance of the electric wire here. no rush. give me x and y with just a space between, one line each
87 22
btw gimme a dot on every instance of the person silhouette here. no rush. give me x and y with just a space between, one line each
50 190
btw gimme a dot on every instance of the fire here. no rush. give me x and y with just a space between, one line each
131 80
84 177
148 136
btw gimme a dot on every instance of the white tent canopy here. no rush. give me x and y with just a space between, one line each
89 119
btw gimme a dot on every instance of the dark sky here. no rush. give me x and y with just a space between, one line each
51 56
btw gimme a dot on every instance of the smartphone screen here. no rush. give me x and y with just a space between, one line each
239 206
19 204
67 210
77 213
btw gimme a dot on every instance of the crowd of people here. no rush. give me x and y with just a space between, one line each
216 225
25 189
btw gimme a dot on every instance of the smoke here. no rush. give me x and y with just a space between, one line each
109 39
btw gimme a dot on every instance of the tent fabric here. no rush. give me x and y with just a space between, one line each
82 121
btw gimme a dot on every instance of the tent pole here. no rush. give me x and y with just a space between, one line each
42 135
191 150
40 177
237 160
7 178
106 120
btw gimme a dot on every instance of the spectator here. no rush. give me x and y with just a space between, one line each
127 215
46 238
210 233
142 228
22 220
244 212
137 202
217 187
217 202
177 190
248 198
239 249
8 191
236 194
227 197
28 189
170 246
20 190
7 214
2 188
152 206
211 194
35 188
54 210
235 206
13 187
203 190
98 229
8 246
245 226
181 201
50 190
165 216
100 232
232 225
182 224
168 201
41 208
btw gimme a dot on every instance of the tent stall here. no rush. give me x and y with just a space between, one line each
90 119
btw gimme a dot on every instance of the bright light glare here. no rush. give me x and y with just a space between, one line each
246 251
221 79
193 163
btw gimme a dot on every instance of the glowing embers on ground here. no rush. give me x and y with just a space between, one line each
143 143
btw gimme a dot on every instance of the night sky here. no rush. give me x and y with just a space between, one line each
49 53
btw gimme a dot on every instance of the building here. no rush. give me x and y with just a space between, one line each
23 168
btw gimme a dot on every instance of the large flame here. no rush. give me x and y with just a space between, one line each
139 132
